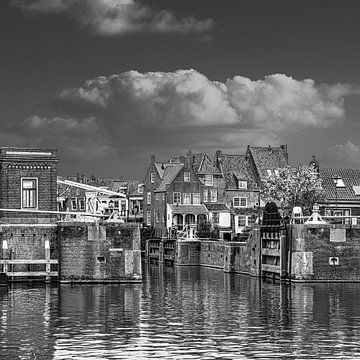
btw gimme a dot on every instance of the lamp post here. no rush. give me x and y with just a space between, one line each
336 181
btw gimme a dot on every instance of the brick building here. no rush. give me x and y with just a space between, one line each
342 192
243 176
176 191
28 182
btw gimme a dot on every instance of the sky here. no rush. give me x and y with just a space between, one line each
111 82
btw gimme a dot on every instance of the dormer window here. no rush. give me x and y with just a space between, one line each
269 172
186 176
338 181
152 177
242 184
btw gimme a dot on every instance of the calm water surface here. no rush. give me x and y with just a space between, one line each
181 313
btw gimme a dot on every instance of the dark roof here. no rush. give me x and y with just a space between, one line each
268 158
169 175
217 207
236 167
350 177
188 209
207 167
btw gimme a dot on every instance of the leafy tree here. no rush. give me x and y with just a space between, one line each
299 186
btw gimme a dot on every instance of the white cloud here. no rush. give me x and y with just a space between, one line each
189 98
347 154
116 17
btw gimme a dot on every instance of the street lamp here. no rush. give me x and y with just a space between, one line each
336 182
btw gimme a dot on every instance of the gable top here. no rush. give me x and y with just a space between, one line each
162 166
350 179
170 174
236 167
207 167
268 158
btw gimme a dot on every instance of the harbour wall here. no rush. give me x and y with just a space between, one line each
99 253
299 253
324 252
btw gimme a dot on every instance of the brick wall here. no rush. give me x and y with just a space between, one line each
15 164
28 242
90 252
325 252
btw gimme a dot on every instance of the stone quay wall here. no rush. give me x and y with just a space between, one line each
324 252
27 242
99 253
233 257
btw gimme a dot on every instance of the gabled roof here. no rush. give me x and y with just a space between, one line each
350 177
268 158
169 175
236 167
207 167
196 160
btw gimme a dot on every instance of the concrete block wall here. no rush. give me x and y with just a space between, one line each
325 252
99 253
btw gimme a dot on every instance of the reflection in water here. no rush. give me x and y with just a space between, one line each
181 313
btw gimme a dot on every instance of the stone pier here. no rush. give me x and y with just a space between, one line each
99 252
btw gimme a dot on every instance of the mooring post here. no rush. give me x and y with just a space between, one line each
4 248
47 258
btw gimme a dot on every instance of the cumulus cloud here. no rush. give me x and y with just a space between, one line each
116 17
189 98
347 154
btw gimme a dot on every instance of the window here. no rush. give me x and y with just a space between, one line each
196 199
164 217
242 220
140 188
177 198
186 176
242 184
213 196
157 197
163 196
186 199
339 183
148 218
240 202
209 181
251 220
276 172
81 204
269 172
73 204
148 198
157 217
116 204
152 178
216 218
205 196
29 193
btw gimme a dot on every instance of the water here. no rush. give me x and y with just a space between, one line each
181 313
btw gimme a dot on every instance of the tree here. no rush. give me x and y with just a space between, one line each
299 186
